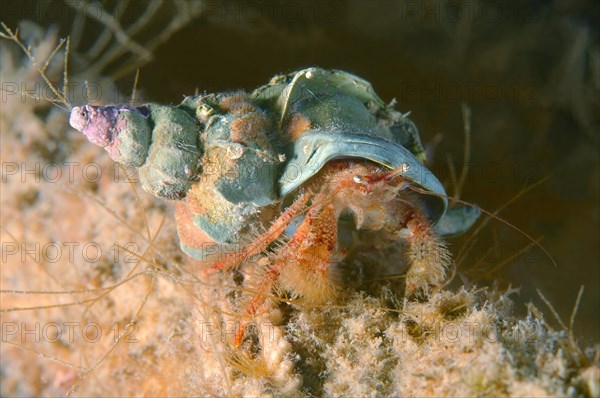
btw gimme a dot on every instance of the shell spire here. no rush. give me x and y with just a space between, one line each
160 141
122 130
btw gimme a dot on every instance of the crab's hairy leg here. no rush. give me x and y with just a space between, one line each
259 298
288 253
309 276
427 255
264 240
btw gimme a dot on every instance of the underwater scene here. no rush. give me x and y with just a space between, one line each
300 198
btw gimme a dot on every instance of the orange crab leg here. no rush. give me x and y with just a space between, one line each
311 246
426 252
230 260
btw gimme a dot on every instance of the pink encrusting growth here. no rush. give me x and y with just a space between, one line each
97 123
118 129
101 125
122 130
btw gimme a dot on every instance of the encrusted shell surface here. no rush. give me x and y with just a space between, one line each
239 168
340 117
233 158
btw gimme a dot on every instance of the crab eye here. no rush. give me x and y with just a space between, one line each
358 180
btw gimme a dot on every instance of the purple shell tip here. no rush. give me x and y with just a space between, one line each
94 122
78 119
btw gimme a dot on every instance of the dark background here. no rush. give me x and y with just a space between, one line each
529 70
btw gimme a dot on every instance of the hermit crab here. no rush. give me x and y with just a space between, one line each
308 172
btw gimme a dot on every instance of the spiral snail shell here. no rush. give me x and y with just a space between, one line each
233 159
